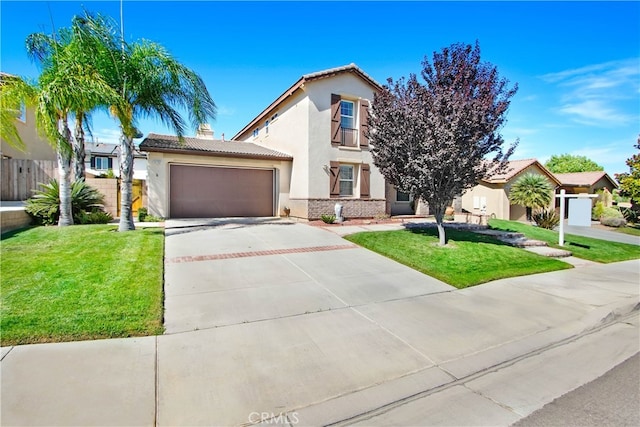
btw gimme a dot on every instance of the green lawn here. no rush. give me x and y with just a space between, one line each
633 230
581 247
80 282
468 259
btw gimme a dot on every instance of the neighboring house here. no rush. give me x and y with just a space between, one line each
36 147
491 195
102 157
23 170
586 182
306 151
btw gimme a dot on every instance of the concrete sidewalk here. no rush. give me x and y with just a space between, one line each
288 324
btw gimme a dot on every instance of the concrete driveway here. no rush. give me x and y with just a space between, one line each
227 272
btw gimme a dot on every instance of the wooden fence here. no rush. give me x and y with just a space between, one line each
18 177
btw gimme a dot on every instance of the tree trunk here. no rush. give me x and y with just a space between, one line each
126 181
439 215
63 155
78 149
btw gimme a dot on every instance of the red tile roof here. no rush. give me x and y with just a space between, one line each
583 179
515 168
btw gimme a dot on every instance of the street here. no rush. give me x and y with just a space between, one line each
613 399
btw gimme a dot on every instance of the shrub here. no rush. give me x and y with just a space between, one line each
546 218
328 219
631 214
93 217
44 206
613 222
612 217
153 218
596 212
611 213
142 214
108 174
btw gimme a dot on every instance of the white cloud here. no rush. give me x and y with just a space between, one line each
593 111
600 94
611 156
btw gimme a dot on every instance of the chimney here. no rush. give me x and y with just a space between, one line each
222 136
204 131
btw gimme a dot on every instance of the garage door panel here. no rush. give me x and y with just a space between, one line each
210 192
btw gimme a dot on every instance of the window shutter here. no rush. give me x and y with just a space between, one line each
110 163
335 119
364 123
93 162
334 181
365 186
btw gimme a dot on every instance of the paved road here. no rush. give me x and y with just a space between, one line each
598 233
611 400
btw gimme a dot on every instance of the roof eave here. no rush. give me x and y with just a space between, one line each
299 84
286 94
216 154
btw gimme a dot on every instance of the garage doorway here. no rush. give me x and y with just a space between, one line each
216 192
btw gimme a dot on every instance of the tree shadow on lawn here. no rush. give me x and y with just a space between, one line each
457 235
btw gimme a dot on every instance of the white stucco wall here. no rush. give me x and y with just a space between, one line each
289 134
158 172
497 202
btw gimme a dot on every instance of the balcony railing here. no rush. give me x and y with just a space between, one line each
348 137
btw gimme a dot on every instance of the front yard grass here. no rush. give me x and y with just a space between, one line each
468 258
81 282
581 247
632 229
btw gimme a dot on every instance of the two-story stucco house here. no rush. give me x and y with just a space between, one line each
305 152
321 121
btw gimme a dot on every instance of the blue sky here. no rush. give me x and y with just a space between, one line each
577 64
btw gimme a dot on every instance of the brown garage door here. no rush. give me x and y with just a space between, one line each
214 192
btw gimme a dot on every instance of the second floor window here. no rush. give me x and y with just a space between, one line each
347 117
102 163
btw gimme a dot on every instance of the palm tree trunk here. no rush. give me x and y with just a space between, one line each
63 154
78 149
126 181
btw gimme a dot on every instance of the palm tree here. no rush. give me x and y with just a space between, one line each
13 93
75 46
67 84
532 191
150 82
